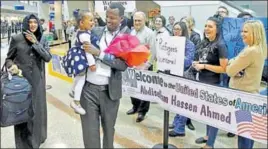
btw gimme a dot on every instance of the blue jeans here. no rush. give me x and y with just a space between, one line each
245 143
212 134
179 123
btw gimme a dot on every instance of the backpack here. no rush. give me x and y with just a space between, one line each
16 100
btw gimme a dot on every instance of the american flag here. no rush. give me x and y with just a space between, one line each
254 124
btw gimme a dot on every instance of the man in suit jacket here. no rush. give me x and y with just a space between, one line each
103 88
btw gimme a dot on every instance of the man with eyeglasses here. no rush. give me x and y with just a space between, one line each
171 20
223 11
145 36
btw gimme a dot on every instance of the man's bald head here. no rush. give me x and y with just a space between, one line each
139 19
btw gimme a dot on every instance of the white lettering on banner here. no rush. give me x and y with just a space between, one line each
234 111
102 6
170 54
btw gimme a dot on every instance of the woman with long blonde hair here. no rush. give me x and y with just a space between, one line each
246 69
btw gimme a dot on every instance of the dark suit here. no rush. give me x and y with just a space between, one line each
102 101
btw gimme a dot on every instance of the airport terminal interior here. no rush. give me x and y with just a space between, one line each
64 128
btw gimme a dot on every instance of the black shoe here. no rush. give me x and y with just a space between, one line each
131 111
190 126
174 134
171 126
140 118
230 135
200 140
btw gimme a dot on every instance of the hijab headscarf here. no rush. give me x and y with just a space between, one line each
38 33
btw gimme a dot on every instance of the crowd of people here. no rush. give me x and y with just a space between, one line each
8 29
98 94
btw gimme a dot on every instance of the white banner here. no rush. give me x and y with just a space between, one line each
101 6
170 54
233 111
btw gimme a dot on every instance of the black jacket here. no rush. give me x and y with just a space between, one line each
117 66
31 58
195 38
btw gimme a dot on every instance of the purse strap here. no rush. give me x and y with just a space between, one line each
4 68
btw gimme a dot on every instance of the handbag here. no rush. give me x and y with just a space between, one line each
16 99
190 73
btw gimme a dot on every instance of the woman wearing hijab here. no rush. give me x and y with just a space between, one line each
28 52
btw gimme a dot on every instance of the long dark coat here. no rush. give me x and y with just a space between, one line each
31 58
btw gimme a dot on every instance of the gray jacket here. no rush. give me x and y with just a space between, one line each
117 66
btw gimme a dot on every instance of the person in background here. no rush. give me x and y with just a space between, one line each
43 25
145 36
246 69
171 20
245 15
211 61
96 22
223 11
64 27
99 19
195 38
125 22
193 34
28 51
69 30
180 29
160 28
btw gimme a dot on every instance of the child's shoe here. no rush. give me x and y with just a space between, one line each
77 108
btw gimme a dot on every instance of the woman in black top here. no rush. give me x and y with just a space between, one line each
210 61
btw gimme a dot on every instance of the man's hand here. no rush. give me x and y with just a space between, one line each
30 36
89 48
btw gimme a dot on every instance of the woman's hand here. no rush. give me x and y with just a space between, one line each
89 48
30 36
13 70
199 67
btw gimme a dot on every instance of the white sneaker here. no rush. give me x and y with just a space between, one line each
77 108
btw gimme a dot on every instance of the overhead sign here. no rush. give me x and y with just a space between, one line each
19 7
102 6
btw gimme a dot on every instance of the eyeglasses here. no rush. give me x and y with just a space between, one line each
177 29
222 12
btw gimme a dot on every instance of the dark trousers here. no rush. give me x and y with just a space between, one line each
139 105
99 107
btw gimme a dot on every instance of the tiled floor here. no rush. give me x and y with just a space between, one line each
64 127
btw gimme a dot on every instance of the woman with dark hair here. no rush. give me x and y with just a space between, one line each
160 27
211 61
180 29
28 52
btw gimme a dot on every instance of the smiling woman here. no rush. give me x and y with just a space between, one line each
29 52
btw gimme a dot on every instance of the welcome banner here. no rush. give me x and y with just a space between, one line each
234 111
